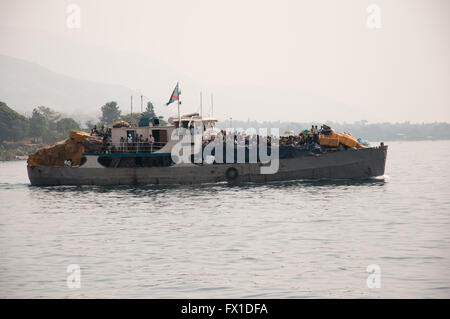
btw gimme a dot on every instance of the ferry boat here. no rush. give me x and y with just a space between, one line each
126 159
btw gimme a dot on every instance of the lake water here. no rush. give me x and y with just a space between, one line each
281 240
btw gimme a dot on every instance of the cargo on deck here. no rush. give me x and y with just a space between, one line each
334 139
58 153
328 141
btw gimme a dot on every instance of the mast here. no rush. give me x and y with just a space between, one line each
179 102
201 106
141 103
212 105
131 114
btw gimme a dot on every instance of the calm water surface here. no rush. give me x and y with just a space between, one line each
292 239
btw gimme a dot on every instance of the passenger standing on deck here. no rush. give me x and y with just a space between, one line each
122 144
151 140
94 131
316 135
129 142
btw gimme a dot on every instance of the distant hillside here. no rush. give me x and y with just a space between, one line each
27 85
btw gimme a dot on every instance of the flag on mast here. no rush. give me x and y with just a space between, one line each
175 95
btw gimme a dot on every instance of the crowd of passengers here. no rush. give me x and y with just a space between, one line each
139 143
304 138
102 132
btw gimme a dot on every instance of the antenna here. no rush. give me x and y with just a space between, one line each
201 100
141 103
212 105
179 102
131 115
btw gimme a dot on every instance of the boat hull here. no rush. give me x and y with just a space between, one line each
349 164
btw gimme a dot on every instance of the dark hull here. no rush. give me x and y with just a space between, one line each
349 164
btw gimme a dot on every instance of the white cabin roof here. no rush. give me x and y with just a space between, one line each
191 117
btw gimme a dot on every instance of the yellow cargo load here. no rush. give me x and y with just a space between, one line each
328 141
78 136
347 140
56 154
339 138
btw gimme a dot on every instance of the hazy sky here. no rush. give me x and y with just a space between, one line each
287 60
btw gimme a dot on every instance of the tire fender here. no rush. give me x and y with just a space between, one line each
231 173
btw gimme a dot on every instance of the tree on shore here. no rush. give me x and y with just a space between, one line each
47 125
150 110
13 126
131 119
110 113
65 125
37 124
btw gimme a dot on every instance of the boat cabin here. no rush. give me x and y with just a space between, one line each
151 138
192 120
